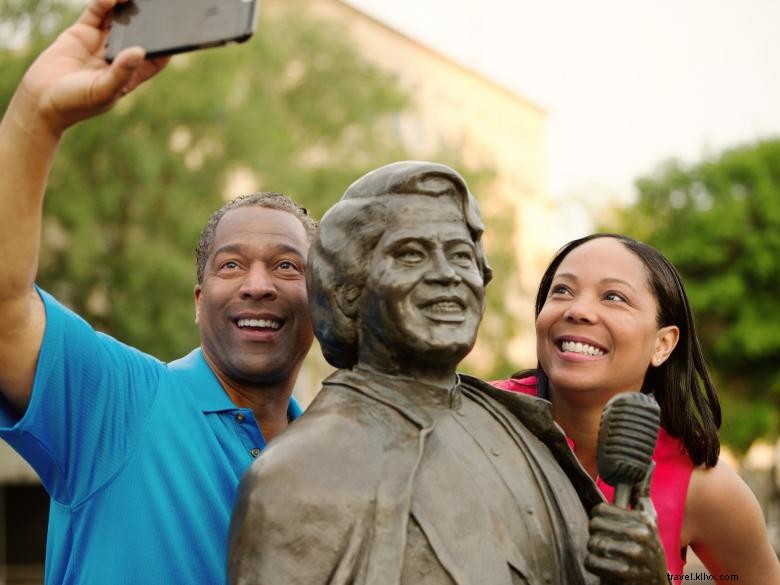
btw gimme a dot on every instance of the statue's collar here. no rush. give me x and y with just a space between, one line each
401 390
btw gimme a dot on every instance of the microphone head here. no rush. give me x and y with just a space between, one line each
627 436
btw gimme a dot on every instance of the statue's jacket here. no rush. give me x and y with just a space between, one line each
341 497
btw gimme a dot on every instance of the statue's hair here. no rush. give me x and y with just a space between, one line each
349 232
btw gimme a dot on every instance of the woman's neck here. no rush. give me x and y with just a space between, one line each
580 421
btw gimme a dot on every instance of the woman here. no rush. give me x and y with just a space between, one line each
612 316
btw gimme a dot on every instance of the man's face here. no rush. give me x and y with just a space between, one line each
424 296
251 305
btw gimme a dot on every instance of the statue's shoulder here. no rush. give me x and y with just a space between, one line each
529 409
340 430
535 414
335 418
309 493
344 409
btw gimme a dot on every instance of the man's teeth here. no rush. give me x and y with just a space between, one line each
583 348
264 323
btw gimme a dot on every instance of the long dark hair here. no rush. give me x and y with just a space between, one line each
690 410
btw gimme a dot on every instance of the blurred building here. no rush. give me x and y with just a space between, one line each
456 109
24 511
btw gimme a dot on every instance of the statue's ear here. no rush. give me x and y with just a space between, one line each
347 297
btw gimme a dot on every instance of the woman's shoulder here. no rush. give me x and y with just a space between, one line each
717 488
725 525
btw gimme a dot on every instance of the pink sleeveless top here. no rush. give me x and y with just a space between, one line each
668 487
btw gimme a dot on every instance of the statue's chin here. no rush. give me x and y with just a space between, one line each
441 359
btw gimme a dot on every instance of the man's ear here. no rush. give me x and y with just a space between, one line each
665 342
198 291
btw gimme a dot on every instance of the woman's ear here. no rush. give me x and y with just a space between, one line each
665 342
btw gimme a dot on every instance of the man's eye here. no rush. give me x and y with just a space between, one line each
287 265
229 265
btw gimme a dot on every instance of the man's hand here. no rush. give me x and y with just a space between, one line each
71 81
68 82
624 546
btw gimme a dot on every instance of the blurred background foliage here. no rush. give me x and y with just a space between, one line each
718 221
295 109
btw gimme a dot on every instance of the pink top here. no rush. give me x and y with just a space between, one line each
668 487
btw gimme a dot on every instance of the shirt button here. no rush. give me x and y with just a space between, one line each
255 452
495 451
460 412
240 417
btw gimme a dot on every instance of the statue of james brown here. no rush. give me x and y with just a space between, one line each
403 471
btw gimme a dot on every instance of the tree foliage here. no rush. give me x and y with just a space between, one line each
719 223
294 109
131 190
30 20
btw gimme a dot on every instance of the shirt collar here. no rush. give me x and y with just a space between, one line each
206 390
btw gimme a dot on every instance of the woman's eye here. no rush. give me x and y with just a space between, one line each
559 290
613 296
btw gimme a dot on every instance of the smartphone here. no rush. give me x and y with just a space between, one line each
164 27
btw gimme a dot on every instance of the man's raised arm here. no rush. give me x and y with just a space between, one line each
69 82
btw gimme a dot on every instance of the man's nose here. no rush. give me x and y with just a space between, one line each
440 270
258 283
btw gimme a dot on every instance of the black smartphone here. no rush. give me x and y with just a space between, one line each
164 27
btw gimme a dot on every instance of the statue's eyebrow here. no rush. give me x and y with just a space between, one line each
426 242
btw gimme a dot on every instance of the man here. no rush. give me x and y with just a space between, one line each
141 459
406 472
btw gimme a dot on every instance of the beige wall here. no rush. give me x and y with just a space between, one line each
490 127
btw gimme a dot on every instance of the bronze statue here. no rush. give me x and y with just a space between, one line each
403 471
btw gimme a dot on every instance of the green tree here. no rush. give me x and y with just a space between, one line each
719 223
30 20
296 109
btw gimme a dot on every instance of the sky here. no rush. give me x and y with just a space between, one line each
627 84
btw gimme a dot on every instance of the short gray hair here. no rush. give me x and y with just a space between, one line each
268 199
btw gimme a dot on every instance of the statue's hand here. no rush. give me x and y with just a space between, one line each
624 546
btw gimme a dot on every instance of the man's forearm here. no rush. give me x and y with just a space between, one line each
27 149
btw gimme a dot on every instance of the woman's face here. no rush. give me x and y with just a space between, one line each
598 330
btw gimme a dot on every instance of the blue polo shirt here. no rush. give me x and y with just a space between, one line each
141 459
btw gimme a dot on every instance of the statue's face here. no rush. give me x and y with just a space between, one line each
424 296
